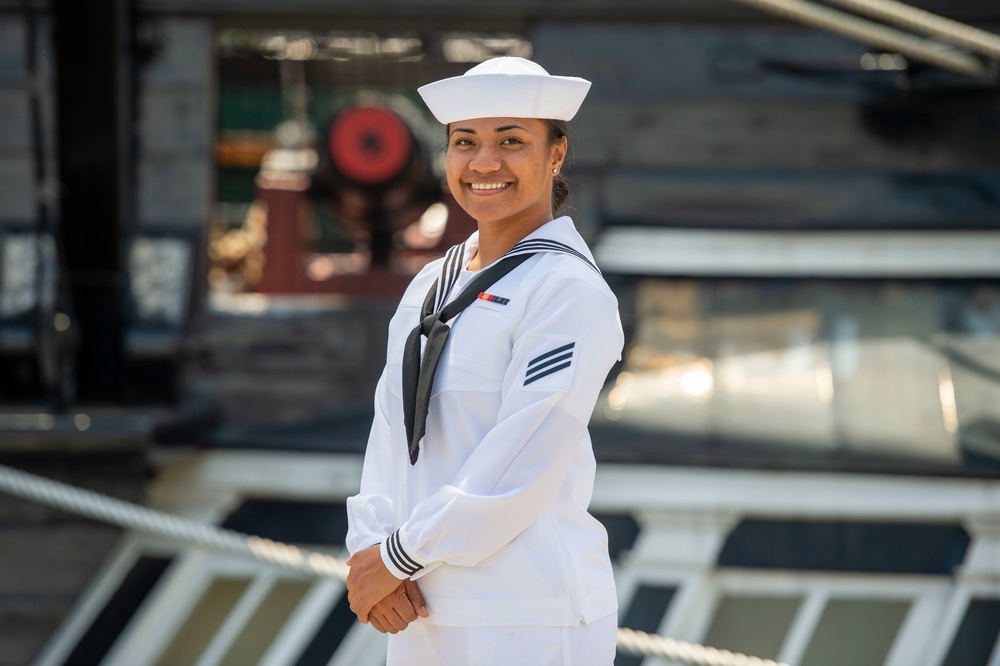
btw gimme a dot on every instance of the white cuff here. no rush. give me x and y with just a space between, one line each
396 559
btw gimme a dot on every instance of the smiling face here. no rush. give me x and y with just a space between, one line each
500 169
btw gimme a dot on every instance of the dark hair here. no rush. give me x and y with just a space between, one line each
558 130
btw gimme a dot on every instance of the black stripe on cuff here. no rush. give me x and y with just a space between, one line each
404 554
399 557
392 556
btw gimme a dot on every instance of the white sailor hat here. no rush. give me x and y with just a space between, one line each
505 87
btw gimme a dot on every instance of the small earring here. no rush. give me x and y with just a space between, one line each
555 171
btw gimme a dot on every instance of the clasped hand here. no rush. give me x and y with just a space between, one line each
379 598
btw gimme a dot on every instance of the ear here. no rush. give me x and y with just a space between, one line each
559 150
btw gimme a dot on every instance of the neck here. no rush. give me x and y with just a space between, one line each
497 239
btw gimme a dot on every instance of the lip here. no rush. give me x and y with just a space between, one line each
488 192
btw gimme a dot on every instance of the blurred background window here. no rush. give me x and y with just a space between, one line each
752 625
204 621
888 370
859 632
268 619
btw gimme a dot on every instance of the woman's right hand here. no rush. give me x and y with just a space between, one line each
399 609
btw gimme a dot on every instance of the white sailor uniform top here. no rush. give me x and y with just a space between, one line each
492 518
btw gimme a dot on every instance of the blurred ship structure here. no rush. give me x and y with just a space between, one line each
799 454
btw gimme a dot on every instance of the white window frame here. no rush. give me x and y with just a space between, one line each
223 481
693 611
156 623
103 585
962 594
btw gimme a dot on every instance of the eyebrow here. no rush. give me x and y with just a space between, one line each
504 128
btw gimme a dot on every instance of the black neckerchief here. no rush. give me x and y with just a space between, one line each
418 374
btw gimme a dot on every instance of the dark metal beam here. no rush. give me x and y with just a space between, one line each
708 11
94 120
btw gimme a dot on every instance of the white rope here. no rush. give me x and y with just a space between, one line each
640 643
919 20
131 516
149 521
876 34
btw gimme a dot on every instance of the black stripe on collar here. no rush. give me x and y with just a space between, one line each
548 245
449 273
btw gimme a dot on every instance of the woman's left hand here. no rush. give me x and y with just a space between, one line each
399 609
369 581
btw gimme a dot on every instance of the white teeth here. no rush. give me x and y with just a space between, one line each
488 186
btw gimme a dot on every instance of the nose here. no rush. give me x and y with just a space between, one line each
485 161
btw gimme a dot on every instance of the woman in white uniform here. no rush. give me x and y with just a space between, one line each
470 538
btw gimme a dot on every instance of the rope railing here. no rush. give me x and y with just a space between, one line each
130 516
640 643
159 523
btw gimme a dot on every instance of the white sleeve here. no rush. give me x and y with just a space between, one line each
369 513
563 349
